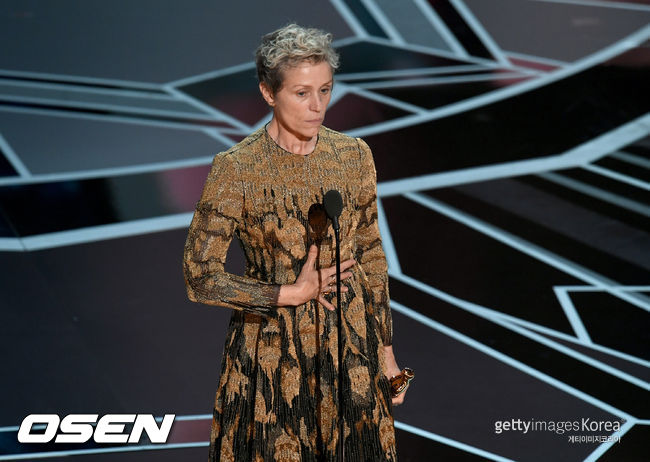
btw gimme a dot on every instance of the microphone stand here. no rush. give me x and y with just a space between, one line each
333 203
341 449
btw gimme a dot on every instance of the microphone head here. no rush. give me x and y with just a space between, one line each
333 203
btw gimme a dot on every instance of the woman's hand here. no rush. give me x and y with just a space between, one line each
312 283
393 369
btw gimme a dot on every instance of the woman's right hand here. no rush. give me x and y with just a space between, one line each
313 283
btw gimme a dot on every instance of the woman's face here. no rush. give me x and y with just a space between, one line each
300 104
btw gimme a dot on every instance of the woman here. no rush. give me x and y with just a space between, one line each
277 395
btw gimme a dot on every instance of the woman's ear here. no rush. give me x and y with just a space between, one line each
267 94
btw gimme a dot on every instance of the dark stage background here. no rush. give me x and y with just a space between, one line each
511 139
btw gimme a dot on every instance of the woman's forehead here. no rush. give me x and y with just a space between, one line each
307 73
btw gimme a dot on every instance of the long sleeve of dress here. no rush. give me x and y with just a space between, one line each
369 252
215 220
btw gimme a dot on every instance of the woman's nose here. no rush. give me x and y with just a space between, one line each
316 103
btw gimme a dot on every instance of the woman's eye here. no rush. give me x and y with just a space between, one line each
325 90
301 93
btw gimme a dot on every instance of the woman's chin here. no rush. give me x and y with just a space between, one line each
311 131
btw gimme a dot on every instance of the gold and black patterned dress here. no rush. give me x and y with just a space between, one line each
277 396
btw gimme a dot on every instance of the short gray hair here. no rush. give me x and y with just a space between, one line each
288 47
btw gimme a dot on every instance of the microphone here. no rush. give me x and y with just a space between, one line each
333 203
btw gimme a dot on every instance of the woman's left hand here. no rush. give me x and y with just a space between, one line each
393 369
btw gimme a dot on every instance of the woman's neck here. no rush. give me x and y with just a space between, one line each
290 141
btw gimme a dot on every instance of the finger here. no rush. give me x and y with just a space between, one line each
400 398
344 265
325 303
346 275
311 256
329 273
